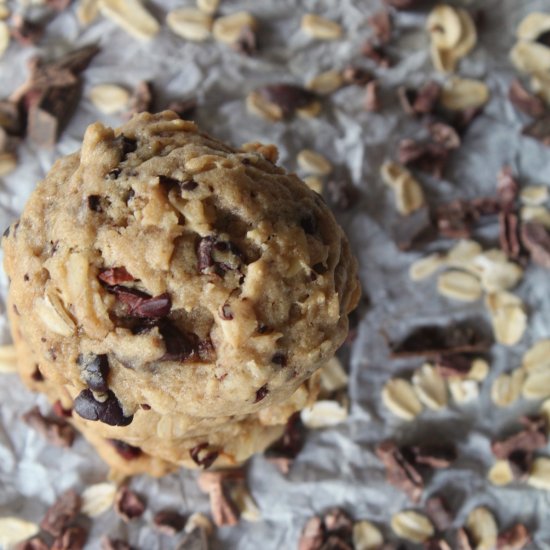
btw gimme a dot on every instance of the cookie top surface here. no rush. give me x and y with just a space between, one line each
208 280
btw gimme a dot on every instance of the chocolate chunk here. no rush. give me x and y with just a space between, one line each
289 445
73 538
536 239
27 33
376 53
94 370
60 411
445 135
400 472
381 25
309 224
514 538
61 513
126 144
287 96
435 340
115 276
539 130
356 76
203 456
261 393
225 312
169 522
140 304
184 108
371 101
128 504
94 203
141 99
108 411
107 543
36 543
56 431
525 101
125 450
247 41
429 157
438 512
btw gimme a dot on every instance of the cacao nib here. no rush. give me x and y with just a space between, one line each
445 135
141 99
61 513
73 538
179 346
125 450
507 188
427 157
94 370
287 448
140 304
204 253
371 102
440 456
61 412
356 76
27 33
114 276
204 459
509 234
261 393
128 504
169 522
287 96
528 440
109 411
56 431
438 512
313 534
514 538
525 101
536 239
427 98
377 54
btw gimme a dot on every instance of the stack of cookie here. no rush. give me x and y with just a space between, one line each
176 295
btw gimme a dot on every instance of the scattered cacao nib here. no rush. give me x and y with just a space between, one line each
507 188
429 157
61 412
427 98
247 42
61 513
453 365
55 430
126 144
107 543
381 25
376 54
356 76
444 134
27 33
399 471
338 521
457 219
509 237
108 411
94 370
438 512
169 522
469 336
225 312
287 96
125 450
140 304
114 276
371 102
261 393
203 455
289 445
73 538
440 456
142 99
514 538
539 130
36 543
10 117
532 438
94 203
128 504
312 535
341 194
37 376
520 463
184 108
463 541
536 239
525 101
224 510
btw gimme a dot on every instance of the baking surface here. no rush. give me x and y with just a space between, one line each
338 465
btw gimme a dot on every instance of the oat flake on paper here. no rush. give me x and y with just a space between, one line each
338 465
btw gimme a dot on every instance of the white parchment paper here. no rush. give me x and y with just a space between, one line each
337 466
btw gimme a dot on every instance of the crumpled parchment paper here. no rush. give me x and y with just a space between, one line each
338 465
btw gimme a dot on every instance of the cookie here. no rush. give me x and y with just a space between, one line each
160 274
